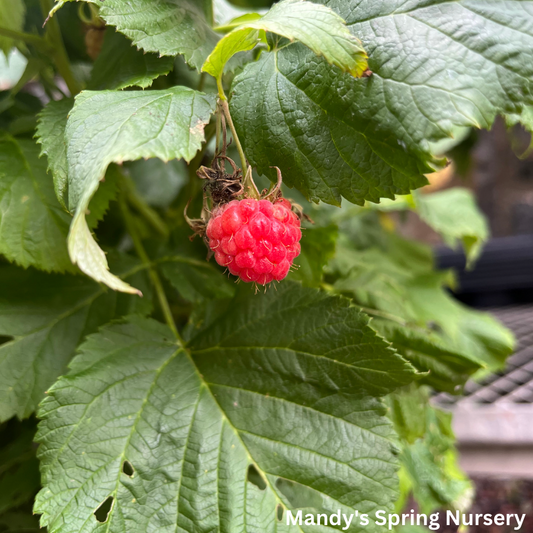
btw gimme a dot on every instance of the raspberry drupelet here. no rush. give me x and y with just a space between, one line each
257 240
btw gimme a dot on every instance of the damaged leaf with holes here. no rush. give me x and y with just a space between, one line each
219 423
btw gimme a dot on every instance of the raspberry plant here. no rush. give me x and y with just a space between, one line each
170 398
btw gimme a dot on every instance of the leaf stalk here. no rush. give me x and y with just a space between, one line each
58 51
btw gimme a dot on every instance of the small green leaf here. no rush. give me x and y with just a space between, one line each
166 124
46 316
455 215
314 25
281 383
239 40
12 13
33 226
121 65
51 136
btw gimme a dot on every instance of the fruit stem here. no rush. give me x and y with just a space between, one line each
225 109
59 54
152 272
250 186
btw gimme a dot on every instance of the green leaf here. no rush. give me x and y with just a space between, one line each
442 64
167 27
33 226
319 143
431 465
396 278
316 26
281 383
158 182
448 368
436 66
121 65
106 193
430 470
239 40
455 215
46 316
318 247
167 124
12 13
194 279
408 411
51 136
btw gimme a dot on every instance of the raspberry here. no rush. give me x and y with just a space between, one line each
257 240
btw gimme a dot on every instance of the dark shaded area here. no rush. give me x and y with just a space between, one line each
502 276
498 166
104 509
497 496
128 469
255 477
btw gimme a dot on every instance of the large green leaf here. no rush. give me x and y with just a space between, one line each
454 214
167 124
316 26
319 143
442 64
121 65
167 27
46 317
12 14
436 66
269 391
33 226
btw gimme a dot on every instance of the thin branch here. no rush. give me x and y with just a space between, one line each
154 276
140 205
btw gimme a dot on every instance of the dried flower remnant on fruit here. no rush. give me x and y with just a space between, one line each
257 240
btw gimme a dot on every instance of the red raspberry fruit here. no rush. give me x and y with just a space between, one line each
257 240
